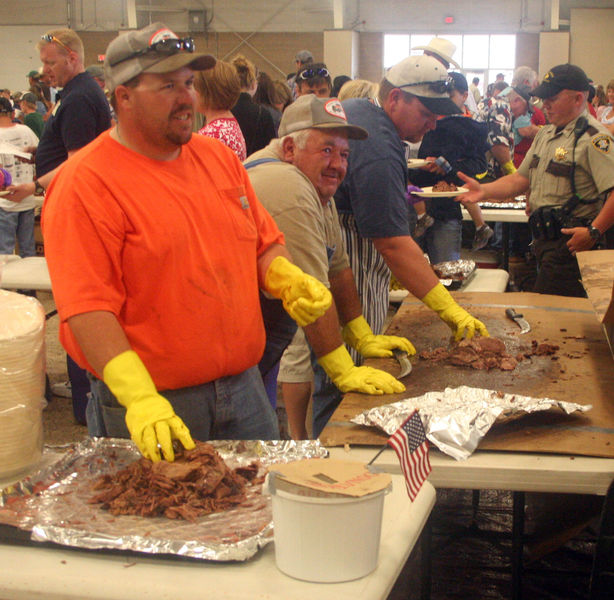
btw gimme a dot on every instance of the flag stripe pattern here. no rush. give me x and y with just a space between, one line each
410 443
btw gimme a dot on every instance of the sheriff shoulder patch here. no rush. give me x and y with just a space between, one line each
602 142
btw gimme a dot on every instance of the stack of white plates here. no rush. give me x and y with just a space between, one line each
22 382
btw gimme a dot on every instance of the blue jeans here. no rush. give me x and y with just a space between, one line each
80 389
442 240
17 226
280 329
326 397
229 408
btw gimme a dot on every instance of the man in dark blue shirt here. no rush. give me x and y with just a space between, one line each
80 114
371 201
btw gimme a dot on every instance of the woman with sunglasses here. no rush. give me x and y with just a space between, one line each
256 123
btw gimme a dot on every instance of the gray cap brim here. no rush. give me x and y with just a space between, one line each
353 131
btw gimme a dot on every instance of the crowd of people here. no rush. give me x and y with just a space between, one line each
197 266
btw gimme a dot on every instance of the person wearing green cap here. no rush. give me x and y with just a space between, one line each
32 118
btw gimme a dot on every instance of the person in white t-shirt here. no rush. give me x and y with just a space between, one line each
16 218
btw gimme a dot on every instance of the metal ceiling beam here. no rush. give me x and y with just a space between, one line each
245 40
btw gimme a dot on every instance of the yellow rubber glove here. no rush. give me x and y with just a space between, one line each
340 367
150 418
304 297
459 320
508 168
358 334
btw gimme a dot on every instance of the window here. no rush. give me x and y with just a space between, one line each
396 48
480 56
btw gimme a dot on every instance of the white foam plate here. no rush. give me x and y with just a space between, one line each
416 163
428 192
397 295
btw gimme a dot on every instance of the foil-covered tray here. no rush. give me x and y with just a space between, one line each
454 273
456 419
519 205
53 504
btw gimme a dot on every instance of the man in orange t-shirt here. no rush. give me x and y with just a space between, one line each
157 247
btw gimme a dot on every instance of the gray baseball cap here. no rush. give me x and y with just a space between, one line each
154 49
304 57
96 71
311 112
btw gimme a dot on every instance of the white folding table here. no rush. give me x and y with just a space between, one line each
30 573
24 273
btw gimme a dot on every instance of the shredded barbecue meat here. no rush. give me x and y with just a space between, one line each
444 186
198 482
485 353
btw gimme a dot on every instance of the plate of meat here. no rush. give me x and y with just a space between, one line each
443 189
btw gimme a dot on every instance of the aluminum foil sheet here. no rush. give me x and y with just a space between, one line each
520 205
53 504
456 419
454 273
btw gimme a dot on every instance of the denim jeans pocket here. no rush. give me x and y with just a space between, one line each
114 418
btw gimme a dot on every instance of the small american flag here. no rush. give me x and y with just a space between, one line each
411 446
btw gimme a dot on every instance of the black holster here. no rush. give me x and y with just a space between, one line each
546 222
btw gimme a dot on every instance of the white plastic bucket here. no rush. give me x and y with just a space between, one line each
326 538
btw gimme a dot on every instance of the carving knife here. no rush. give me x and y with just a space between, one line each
518 318
404 362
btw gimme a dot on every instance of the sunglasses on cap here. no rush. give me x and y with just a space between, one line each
439 87
51 38
311 73
167 46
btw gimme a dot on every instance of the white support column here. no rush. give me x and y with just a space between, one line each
338 10
341 52
131 22
554 15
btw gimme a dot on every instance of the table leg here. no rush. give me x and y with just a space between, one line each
517 544
425 561
505 245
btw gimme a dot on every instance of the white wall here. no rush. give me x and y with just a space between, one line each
553 50
592 42
19 55
490 16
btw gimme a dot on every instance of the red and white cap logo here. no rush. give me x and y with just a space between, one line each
162 34
333 107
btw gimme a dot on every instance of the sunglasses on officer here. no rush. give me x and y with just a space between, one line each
168 46
51 38
313 73
440 86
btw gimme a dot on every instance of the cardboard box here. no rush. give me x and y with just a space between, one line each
329 476
597 270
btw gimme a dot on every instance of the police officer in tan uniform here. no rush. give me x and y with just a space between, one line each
569 171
